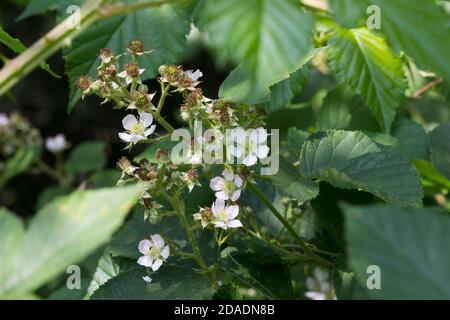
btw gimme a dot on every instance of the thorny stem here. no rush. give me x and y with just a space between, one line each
306 248
418 94
179 208
92 11
161 101
163 122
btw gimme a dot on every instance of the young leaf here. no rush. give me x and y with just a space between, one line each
62 233
162 29
363 60
352 160
409 246
269 39
403 20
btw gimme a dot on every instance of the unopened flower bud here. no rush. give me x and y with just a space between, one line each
105 54
111 70
152 174
136 47
84 82
162 155
132 69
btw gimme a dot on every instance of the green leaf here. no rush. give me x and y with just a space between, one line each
107 269
20 162
291 183
17 46
403 20
105 178
363 60
51 193
440 148
410 246
12 43
335 110
62 233
282 93
87 156
409 139
167 283
295 140
37 7
431 175
251 261
267 39
162 29
352 160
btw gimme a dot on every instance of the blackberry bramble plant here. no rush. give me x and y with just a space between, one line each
225 149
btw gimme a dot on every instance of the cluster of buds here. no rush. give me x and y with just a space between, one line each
178 78
16 133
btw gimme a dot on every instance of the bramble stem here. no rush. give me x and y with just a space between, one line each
307 249
161 101
187 227
94 10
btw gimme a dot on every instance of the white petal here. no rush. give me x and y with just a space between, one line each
238 181
220 224
136 138
221 195
234 224
146 119
123 74
218 206
144 246
232 211
236 194
228 174
216 183
125 136
156 265
150 131
158 240
262 135
250 160
262 151
147 279
315 295
129 122
165 252
141 71
145 261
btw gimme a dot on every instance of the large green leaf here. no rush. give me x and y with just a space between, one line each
410 246
267 38
440 148
403 20
291 183
352 160
162 29
170 282
363 60
62 233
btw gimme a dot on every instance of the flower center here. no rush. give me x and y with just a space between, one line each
222 216
138 128
229 186
154 252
